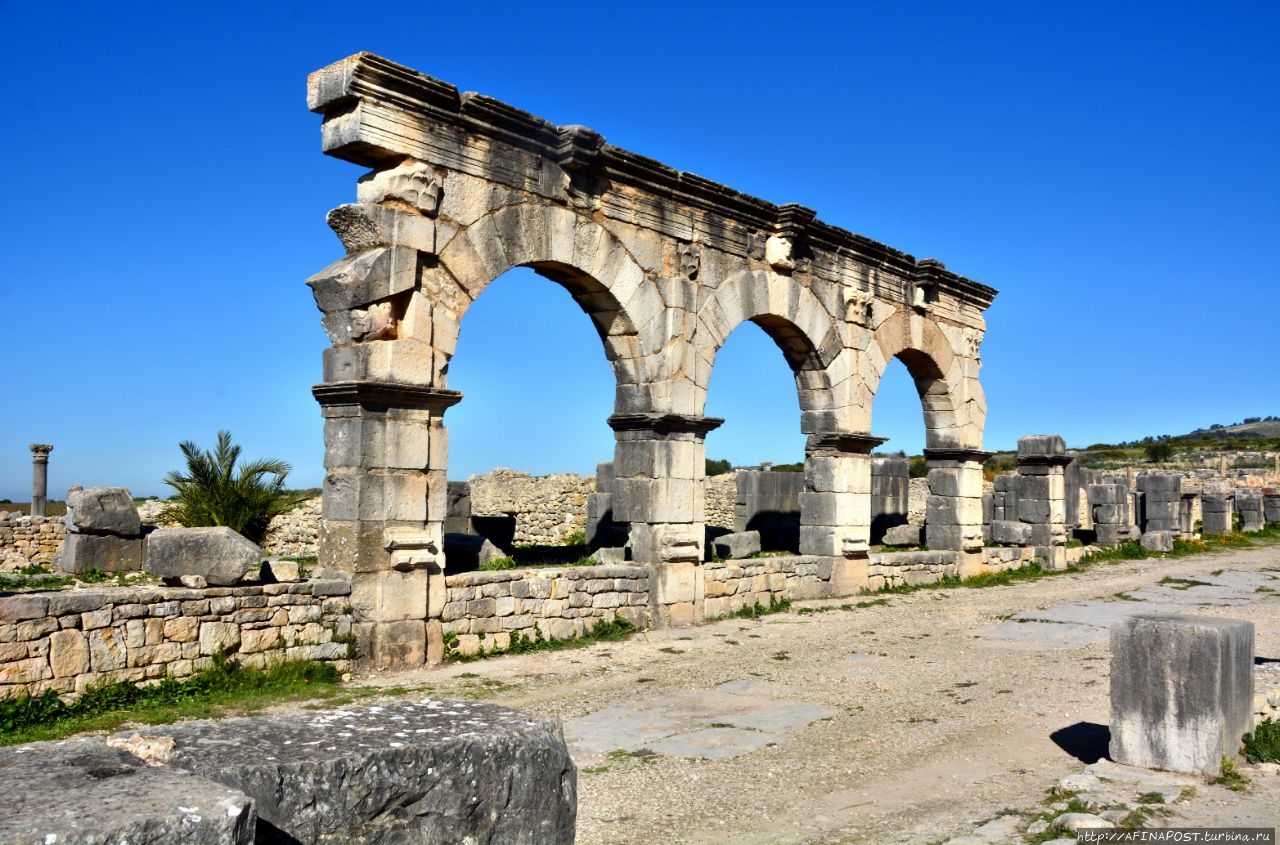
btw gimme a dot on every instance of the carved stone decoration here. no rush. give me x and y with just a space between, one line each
415 186
755 246
973 343
377 322
777 253
920 297
857 305
690 261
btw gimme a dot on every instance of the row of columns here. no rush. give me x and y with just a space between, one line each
386 464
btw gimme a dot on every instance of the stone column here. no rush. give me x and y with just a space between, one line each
1042 460
659 472
384 504
40 477
953 521
835 507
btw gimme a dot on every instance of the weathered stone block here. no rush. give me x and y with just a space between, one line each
1010 533
903 535
736 546
83 792
1181 691
219 555
1041 445
1158 541
428 772
104 510
1159 482
106 553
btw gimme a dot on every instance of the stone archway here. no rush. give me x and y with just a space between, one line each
462 188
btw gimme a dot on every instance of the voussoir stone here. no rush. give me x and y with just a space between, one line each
423 772
219 555
104 510
83 792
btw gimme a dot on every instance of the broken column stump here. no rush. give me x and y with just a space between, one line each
1181 691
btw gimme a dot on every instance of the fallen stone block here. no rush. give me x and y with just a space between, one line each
465 552
1157 541
1181 691
83 792
736 546
903 535
611 554
423 772
104 510
219 555
82 552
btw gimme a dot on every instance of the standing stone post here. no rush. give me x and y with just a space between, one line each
1250 507
659 473
40 477
835 507
1271 508
1216 518
953 519
384 504
1181 691
1042 461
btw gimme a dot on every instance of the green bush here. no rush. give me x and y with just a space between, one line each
1263 745
717 467
214 493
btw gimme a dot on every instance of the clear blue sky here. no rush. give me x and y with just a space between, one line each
1112 168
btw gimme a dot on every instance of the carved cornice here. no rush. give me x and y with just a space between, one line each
843 442
665 423
376 394
341 90
957 454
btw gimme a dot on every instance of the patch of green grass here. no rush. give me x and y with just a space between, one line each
1263 745
1151 798
1128 550
225 686
756 610
496 564
1182 583
1029 572
604 630
644 755
1231 777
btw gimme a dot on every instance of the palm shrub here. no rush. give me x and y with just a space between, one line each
213 492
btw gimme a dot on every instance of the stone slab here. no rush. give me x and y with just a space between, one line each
104 510
427 771
219 555
105 553
84 792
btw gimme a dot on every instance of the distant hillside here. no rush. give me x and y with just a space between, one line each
1250 427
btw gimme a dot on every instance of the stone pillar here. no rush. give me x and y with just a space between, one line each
1181 691
40 477
384 504
1249 506
659 472
953 520
1216 514
835 507
1042 461
1271 508
1161 500
1110 506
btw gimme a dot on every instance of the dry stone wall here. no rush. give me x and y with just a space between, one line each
483 609
68 639
29 539
547 508
295 533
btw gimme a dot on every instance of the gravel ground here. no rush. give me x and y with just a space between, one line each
934 728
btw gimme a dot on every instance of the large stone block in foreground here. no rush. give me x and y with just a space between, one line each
219 555
1181 691
83 792
421 772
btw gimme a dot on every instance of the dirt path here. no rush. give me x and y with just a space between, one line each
914 725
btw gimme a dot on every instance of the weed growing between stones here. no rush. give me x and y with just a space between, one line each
224 685
756 610
1231 777
1263 745
604 630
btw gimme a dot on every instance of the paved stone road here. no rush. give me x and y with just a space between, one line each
927 718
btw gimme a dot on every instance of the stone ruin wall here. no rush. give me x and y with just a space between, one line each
66 640
29 539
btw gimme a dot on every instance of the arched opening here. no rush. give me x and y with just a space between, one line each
537 388
899 475
759 400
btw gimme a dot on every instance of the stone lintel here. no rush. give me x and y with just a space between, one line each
1045 460
958 455
843 443
341 90
375 395
665 423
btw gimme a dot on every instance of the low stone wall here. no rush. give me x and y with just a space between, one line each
295 533
721 493
485 608
28 539
731 585
68 639
547 508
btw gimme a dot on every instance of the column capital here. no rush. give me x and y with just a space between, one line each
959 455
843 442
660 423
379 395
40 452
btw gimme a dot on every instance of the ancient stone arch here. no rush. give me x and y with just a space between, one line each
462 188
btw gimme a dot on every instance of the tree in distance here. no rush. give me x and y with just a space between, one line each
1159 451
213 493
